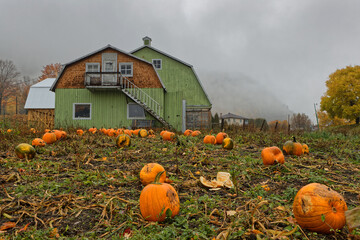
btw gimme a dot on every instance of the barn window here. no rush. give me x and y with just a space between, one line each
92 67
82 111
157 63
135 111
126 69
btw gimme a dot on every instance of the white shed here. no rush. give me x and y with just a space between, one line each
40 104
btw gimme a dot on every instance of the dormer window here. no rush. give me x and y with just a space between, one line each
157 63
126 69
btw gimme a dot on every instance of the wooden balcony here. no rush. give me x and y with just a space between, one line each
103 80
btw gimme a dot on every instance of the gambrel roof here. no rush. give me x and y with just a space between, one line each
40 96
176 59
100 50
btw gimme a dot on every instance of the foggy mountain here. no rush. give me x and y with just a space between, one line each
241 95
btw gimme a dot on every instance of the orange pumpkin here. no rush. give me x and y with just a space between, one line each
293 147
195 133
305 148
187 132
63 134
123 140
318 208
220 137
157 200
149 172
92 130
79 132
119 131
272 155
136 132
128 132
111 132
57 133
151 132
143 133
49 138
209 139
162 132
168 136
38 142
32 130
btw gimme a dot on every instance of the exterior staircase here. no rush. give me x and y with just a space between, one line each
143 99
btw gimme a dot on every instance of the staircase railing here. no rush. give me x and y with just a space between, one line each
140 95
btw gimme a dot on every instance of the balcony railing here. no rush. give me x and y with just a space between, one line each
102 79
105 80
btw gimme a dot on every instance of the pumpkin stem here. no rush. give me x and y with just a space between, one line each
294 139
157 178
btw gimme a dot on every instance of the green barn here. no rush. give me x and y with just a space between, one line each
144 88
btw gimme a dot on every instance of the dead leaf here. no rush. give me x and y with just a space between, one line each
281 208
230 213
7 225
54 233
24 228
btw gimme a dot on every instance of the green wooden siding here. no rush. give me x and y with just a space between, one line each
108 108
173 113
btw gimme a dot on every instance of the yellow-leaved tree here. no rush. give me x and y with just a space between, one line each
326 121
342 98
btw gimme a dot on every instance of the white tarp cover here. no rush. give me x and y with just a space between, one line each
40 96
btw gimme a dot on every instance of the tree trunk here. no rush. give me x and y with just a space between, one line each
357 120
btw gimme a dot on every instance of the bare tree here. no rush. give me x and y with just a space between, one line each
22 91
300 122
8 78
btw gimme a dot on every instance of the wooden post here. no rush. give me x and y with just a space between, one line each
276 124
262 125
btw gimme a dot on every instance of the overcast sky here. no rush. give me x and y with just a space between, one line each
286 48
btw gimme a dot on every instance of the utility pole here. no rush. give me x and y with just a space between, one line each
317 120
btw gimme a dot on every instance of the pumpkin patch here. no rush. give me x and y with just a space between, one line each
224 186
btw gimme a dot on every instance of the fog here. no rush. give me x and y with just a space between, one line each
285 48
241 95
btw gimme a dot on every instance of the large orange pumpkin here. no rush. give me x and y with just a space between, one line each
293 147
49 138
209 139
272 155
318 208
149 172
162 132
220 137
168 136
157 200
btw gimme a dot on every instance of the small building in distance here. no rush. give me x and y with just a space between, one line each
233 119
40 104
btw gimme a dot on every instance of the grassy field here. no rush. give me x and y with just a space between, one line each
84 187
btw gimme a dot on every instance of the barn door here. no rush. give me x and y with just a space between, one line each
107 78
